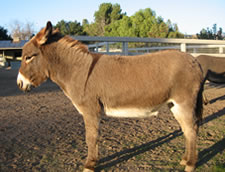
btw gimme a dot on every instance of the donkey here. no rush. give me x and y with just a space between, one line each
213 68
121 86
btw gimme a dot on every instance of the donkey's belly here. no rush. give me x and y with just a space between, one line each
131 112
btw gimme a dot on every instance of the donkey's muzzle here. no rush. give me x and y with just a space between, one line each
23 83
23 87
20 84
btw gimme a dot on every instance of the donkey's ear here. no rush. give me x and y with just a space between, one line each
44 34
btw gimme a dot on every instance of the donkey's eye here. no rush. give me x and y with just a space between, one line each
28 58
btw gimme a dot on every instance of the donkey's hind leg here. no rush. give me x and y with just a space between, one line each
185 115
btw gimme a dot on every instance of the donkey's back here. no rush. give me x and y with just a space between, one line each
213 68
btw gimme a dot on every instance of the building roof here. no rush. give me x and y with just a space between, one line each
8 44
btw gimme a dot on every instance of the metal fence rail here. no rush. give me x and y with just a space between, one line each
131 46
193 46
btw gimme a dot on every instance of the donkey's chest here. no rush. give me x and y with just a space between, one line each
131 112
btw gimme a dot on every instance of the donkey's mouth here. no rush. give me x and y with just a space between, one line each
23 83
25 87
29 88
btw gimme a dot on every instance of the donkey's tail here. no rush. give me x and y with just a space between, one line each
199 103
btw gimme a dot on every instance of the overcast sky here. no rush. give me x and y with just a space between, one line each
190 15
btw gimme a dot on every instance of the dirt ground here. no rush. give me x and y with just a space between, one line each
42 131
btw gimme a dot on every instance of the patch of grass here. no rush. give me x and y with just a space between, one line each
219 168
139 157
49 162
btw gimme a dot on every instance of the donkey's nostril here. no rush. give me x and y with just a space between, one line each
23 83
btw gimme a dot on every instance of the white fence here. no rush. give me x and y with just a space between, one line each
126 45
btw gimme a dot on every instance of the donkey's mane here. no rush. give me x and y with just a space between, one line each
67 41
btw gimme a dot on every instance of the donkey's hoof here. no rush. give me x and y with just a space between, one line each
87 170
183 162
189 168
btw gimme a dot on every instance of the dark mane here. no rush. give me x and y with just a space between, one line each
68 41
74 43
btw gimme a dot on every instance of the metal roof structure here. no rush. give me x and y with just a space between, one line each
10 45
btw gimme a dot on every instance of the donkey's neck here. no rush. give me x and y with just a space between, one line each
69 63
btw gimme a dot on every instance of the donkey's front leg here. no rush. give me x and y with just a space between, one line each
92 132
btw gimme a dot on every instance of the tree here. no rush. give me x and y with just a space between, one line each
85 22
159 31
174 32
106 14
211 33
143 23
70 28
204 34
214 29
92 29
121 28
110 21
137 25
3 34
220 34
102 18
21 30
116 13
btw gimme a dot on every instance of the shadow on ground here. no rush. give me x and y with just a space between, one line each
8 86
204 156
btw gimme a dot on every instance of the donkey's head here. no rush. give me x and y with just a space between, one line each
33 69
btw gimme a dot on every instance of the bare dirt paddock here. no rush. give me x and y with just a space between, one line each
42 131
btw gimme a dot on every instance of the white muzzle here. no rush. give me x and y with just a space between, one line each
23 83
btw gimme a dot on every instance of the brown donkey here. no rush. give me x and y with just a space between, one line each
213 68
122 86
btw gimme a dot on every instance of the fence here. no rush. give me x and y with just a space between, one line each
132 46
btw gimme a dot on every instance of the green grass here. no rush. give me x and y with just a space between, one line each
219 168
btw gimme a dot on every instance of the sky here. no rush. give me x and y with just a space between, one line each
191 16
